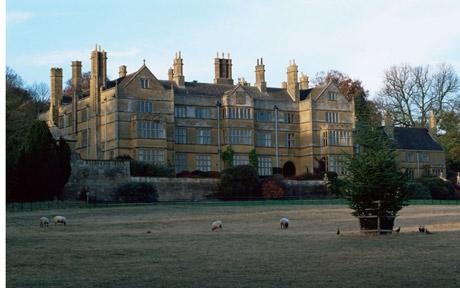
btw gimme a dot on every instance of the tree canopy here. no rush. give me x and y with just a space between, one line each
410 93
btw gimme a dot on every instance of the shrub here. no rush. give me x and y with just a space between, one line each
271 189
132 192
185 174
438 188
239 183
307 176
418 191
145 169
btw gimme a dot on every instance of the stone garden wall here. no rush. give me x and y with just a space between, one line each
97 180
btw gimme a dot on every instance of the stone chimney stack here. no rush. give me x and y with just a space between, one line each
178 73
284 85
304 82
98 76
122 71
170 74
76 77
260 76
432 128
389 126
56 94
223 70
292 81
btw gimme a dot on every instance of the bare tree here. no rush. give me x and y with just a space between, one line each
410 93
40 92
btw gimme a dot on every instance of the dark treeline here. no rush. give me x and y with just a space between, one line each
37 166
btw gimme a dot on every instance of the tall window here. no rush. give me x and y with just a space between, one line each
410 156
238 113
202 113
180 111
144 106
290 140
332 117
264 165
150 129
335 164
203 162
84 115
84 138
240 160
410 173
332 96
289 117
422 157
144 83
181 135
239 136
151 155
264 116
203 136
180 162
264 139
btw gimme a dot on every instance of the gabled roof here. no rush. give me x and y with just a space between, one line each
415 139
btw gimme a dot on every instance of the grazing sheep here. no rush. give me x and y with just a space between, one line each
44 222
216 225
59 219
284 222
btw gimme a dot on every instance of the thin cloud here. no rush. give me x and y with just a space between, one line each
16 17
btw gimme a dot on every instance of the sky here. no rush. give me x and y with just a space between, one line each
359 38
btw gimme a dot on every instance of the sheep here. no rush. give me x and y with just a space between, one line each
216 225
59 219
284 222
44 222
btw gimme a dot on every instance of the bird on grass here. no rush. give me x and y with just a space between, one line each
338 231
398 229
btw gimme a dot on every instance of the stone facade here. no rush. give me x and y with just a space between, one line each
188 124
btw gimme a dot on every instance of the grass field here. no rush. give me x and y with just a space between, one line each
110 247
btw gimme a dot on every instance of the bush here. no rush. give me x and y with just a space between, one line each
198 174
145 169
418 191
272 189
133 192
239 183
307 176
438 188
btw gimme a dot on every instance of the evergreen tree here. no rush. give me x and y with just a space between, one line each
43 167
374 184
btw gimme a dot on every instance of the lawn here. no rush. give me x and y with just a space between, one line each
110 247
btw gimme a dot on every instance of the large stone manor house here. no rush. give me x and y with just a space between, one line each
188 124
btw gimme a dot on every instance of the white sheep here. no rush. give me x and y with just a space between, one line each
59 219
44 222
284 222
216 225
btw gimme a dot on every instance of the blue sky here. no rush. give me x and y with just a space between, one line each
360 38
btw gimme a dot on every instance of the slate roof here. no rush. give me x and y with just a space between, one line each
415 139
305 93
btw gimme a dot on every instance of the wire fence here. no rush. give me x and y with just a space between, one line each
51 205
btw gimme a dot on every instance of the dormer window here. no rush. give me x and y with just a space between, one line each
332 96
145 83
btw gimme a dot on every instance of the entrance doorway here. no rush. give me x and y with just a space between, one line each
288 169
